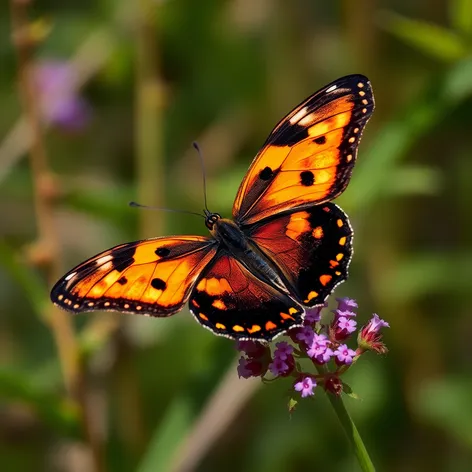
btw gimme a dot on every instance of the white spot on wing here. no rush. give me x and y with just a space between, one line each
104 259
298 116
72 274
106 266
330 89
308 120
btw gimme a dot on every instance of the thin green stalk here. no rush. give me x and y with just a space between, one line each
350 429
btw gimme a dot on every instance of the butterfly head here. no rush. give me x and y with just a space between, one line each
211 219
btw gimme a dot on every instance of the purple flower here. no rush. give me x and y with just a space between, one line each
313 315
346 304
323 356
279 367
305 386
305 335
375 325
283 351
252 348
346 324
249 368
343 314
344 355
59 100
319 349
370 337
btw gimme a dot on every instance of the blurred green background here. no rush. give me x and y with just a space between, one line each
122 89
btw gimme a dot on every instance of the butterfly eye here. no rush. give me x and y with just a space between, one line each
211 220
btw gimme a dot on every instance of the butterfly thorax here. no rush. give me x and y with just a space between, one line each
233 239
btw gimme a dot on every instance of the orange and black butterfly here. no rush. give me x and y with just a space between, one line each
286 248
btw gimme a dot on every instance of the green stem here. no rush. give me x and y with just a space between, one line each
350 429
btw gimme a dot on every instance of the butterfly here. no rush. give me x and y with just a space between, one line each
285 250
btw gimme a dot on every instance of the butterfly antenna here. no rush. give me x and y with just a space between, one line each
138 205
202 164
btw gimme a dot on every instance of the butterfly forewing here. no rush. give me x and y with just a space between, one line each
309 156
312 249
153 277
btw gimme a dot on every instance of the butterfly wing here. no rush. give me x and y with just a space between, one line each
309 156
312 249
150 277
230 301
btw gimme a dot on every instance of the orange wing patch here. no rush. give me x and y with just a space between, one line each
152 277
309 156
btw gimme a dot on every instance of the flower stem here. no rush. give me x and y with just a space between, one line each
350 429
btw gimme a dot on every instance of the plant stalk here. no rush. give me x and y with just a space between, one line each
350 429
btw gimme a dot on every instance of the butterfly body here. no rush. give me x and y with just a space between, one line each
285 250
233 241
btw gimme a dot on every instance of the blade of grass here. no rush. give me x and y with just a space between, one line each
167 436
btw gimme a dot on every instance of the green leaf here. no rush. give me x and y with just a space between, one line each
431 39
292 405
167 436
460 12
348 391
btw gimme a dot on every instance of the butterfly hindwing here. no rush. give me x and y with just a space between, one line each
309 156
312 249
152 277
230 301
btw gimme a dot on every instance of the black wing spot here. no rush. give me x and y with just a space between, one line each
289 134
162 251
123 280
158 284
307 178
122 258
266 174
320 140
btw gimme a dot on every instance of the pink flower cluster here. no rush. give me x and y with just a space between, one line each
324 345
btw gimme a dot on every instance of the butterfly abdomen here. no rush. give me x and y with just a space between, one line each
238 245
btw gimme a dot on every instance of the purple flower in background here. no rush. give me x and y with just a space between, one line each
60 102
344 355
305 386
